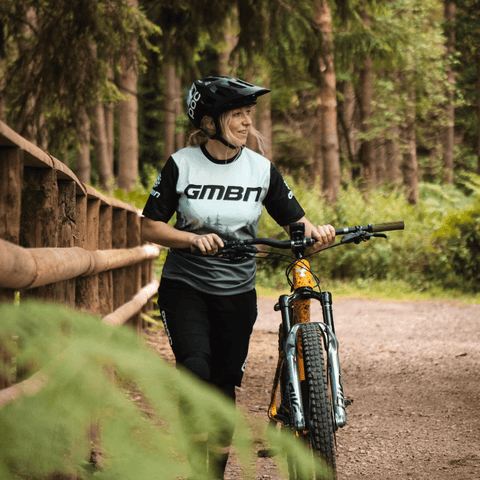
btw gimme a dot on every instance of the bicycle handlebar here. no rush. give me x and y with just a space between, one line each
373 228
287 244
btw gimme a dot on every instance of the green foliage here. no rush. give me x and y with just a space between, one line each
467 32
46 432
292 150
407 50
59 56
440 245
458 243
139 195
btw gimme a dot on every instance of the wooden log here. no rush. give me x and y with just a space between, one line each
36 157
134 306
65 291
105 279
133 281
30 386
39 217
11 179
86 291
105 260
23 268
80 232
119 240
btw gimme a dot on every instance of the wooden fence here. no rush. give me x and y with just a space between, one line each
63 241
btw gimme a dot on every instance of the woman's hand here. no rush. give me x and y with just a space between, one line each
206 244
324 234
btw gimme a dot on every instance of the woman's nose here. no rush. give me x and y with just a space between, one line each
247 119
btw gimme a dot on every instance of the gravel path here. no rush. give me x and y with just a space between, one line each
412 370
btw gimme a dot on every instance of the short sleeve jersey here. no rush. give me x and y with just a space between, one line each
222 197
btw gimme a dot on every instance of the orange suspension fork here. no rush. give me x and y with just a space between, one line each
302 277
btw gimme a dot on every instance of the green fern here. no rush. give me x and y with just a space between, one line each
46 432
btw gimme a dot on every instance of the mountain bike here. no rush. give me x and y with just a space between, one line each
307 394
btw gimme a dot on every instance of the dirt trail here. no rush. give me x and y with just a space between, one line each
412 370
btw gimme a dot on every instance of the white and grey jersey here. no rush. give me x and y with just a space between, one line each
222 197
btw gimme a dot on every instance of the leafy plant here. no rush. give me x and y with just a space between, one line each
45 432
439 246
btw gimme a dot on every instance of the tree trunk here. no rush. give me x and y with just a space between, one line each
109 129
381 162
25 125
347 120
105 172
3 84
109 124
328 106
316 167
366 146
264 121
410 164
478 114
448 136
392 156
170 110
231 40
179 111
83 152
128 116
366 94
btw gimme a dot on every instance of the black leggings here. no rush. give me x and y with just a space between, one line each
209 334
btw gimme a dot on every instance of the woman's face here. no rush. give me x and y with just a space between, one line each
240 123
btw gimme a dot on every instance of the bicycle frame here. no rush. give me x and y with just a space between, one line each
295 310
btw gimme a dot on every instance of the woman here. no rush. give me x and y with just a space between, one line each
218 188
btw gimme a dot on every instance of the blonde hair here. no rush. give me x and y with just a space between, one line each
199 137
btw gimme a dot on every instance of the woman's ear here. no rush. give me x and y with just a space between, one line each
208 124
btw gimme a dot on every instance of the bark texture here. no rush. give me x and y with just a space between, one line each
328 107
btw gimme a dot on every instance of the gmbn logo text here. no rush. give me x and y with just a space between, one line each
221 192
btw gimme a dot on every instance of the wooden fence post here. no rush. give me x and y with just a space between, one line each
119 240
11 180
80 234
86 291
65 238
105 279
38 227
134 278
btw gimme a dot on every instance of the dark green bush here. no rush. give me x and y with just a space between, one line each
439 246
457 263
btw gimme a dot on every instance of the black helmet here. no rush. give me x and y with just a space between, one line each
213 96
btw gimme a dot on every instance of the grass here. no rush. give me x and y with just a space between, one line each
398 291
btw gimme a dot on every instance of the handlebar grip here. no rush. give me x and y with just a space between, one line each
385 227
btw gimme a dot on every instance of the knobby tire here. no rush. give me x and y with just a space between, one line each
320 437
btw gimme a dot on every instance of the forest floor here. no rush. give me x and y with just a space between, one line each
411 369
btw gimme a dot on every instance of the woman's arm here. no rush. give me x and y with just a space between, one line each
164 234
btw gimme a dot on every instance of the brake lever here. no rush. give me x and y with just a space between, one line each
357 237
237 252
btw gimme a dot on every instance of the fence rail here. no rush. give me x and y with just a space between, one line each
63 241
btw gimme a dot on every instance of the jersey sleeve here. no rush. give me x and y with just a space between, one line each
163 200
280 202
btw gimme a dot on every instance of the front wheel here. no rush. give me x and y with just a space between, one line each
319 436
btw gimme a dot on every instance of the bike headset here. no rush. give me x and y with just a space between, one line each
212 96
